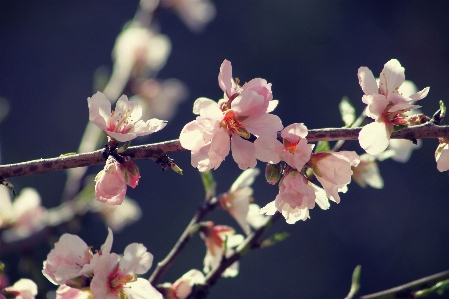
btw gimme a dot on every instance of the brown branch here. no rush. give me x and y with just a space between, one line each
156 150
407 290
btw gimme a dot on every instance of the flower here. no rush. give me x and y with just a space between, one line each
23 289
215 238
236 200
23 216
254 218
296 196
333 171
66 292
399 150
294 150
367 172
182 287
121 124
111 182
385 105
194 13
72 258
230 122
442 155
116 277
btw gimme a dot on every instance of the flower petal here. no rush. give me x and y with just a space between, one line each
374 137
367 81
243 152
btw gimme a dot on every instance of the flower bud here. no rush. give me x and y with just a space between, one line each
273 173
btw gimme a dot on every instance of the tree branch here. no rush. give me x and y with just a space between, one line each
156 150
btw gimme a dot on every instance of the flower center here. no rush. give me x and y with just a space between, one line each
121 123
232 125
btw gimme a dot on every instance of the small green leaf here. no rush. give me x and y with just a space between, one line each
208 183
347 111
442 109
276 238
322 146
355 285
124 147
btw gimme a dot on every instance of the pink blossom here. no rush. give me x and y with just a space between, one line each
385 105
66 292
23 289
196 14
116 277
111 182
215 238
182 287
294 150
72 258
367 172
237 199
121 124
442 155
333 171
228 124
296 196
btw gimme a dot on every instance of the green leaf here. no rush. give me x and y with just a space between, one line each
442 109
355 285
322 146
276 238
347 111
208 183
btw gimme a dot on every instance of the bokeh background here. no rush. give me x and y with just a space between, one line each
310 51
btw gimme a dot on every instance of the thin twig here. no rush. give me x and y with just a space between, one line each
407 290
156 150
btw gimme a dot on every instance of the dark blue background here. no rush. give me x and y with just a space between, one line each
310 51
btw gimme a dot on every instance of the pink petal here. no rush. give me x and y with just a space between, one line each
190 135
207 108
443 160
266 124
376 108
391 76
420 94
99 110
243 152
220 143
374 137
294 132
249 103
268 149
136 259
367 81
225 80
125 108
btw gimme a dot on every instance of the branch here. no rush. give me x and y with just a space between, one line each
408 290
156 150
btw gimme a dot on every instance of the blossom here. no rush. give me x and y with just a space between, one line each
66 292
333 171
182 287
367 172
442 155
294 149
254 218
386 105
215 238
237 199
111 182
399 150
228 124
194 13
296 196
116 277
72 258
23 289
21 217
121 124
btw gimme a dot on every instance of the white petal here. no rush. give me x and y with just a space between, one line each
443 161
420 94
391 77
136 259
374 137
246 179
367 81
99 110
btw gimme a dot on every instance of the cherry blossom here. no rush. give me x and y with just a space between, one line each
66 292
21 217
116 277
385 105
237 199
182 287
72 258
254 218
23 289
367 172
296 196
228 124
442 155
111 182
294 150
333 171
215 238
121 124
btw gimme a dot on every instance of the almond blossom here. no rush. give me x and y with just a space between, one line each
296 196
237 199
66 292
23 289
386 105
333 171
367 172
217 239
116 277
442 155
182 287
228 124
21 217
71 260
294 149
111 182
121 124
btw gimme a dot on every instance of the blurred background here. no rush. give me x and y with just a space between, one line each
310 51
